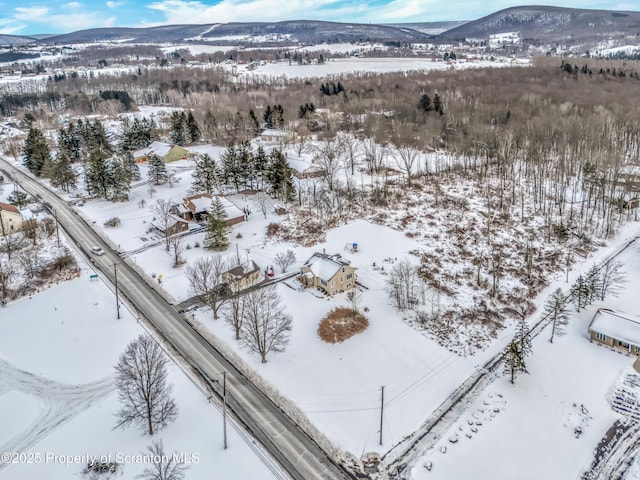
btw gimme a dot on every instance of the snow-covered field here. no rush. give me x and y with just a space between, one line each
57 397
527 430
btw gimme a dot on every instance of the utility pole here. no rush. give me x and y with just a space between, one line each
55 215
224 408
381 410
115 273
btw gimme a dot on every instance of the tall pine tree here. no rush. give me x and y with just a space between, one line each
179 133
36 152
556 310
205 175
61 173
280 177
157 172
216 237
193 129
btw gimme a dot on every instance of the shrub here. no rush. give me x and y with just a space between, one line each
272 229
340 324
112 222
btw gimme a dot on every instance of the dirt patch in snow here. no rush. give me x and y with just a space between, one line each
341 324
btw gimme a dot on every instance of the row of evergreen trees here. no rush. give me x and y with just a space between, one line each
425 104
242 168
184 129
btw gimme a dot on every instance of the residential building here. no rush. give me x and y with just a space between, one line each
329 273
169 153
11 220
243 276
616 330
196 208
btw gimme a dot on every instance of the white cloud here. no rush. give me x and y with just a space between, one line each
9 26
72 5
32 14
188 11
111 4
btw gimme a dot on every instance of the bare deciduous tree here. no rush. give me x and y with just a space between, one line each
233 313
177 247
163 218
264 202
403 284
205 281
162 466
285 259
7 271
30 260
374 155
141 379
266 328
406 157
611 279
327 154
350 146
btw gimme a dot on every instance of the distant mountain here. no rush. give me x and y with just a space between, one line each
297 30
548 25
429 28
16 39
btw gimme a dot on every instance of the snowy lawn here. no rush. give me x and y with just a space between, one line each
337 386
527 430
57 351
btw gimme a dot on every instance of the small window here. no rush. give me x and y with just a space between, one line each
601 336
349 276
342 269
341 279
323 283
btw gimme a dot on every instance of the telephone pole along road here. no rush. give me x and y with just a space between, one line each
292 448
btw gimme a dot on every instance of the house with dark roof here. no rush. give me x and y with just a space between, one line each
243 276
329 273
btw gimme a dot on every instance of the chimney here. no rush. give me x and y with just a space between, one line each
324 252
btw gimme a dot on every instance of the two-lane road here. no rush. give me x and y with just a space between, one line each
291 447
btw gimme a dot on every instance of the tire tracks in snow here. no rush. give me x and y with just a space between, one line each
60 403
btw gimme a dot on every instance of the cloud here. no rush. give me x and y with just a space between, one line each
63 22
9 26
190 11
111 4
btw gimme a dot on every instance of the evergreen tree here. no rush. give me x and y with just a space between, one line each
260 166
580 293
205 175
136 133
217 229
95 138
514 360
280 177
437 104
193 129
179 133
61 173
120 180
157 172
593 284
254 124
524 340
36 152
131 165
231 169
247 174
557 312
98 175
425 103
267 116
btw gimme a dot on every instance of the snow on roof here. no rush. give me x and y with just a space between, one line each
616 325
323 266
201 204
159 148
275 133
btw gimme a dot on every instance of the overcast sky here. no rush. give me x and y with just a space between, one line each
25 17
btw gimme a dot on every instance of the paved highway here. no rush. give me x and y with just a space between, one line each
292 448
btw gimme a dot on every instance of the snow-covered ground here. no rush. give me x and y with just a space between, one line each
527 430
58 399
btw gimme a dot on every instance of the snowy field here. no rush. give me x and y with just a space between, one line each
360 66
527 430
57 396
